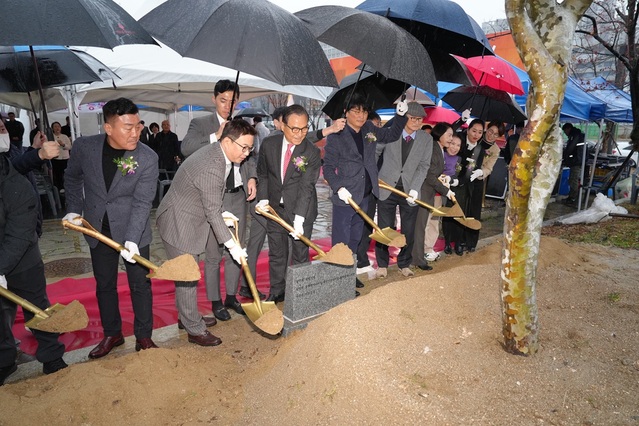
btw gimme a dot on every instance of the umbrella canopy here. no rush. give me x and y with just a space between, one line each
57 66
100 23
256 37
440 114
414 94
486 103
252 112
374 40
494 72
380 92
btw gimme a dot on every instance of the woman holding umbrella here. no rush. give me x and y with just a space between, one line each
478 156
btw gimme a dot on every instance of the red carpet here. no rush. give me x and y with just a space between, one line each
164 311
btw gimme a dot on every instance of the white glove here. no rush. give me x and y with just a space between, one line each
450 195
402 108
229 219
237 252
454 182
298 223
130 249
465 115
445 180
73 218
344 194
476 174
3 282
262 204
412 196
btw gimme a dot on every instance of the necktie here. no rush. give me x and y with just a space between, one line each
287 158
230 179
409 138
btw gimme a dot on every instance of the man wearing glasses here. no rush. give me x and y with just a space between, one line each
288 169
191 216
240 189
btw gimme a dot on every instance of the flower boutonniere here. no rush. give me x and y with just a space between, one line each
470 165
488 153
370 137
126 165
300 163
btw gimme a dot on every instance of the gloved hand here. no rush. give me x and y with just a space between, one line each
3 282
73 218
344 194
454 182
229 219
450 195
476 174
465 115
262 204
445 180
401 108
130 249
412 196
298 223
237 252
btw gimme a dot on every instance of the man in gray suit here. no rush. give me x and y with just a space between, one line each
193 207
111 180
240 188
405 164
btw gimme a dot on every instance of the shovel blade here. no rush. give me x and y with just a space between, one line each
270 320
61 318
389 237
469 222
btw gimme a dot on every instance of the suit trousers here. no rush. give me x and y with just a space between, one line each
105 269
386 212
215 251
278 253
31 285
186 298
362 249
257 236
348 225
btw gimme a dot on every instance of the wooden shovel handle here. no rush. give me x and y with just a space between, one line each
387 187
89 230
270 213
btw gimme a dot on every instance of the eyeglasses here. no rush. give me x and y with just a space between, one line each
358 111
245 149
410 118
492 132
297 130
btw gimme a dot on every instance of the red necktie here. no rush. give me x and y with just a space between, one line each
287 158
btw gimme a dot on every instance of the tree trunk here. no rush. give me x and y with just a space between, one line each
543 32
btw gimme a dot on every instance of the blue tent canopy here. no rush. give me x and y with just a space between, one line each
618 103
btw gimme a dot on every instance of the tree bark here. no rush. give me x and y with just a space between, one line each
543 32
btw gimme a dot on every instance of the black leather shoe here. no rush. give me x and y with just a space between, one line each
358 283
425 267
275 298
106 345
208 321
53 366
5 372
232 303
459 250
471 249
448 249
357 294
144 343
206 339
246 292
221 313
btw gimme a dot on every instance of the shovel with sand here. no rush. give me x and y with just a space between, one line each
387 236
181 268
265 315
339 254
56 318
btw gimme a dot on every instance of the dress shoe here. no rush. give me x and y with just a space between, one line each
381 273
246 292
357 294
144 343
206 339
459 250
425 267
5 372
208 321
232 303
448 249
471 249
51 367
358 283
406 272
106 345
275 298
220 312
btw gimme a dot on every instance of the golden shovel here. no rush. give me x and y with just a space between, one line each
441 211
265 315
468 222
339 254
181 268
56 318
386 236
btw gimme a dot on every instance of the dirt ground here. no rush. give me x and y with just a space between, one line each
424 350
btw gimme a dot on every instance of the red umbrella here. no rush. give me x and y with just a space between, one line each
440 114
495 72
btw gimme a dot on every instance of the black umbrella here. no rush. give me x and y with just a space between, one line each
380 92
375 41
486 103
252 36
252 112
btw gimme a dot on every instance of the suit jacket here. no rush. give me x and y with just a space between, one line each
193 204
298 187
129 199
345 167
432 184
199 133
413 171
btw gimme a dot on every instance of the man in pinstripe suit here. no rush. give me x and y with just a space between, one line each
192 206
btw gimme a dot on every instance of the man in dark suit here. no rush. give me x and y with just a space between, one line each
111 181
404 166
193 207
288 170
165 145
241 187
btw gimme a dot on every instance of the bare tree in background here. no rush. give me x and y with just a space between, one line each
543 33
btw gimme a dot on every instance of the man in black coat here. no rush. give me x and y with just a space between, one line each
572 157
